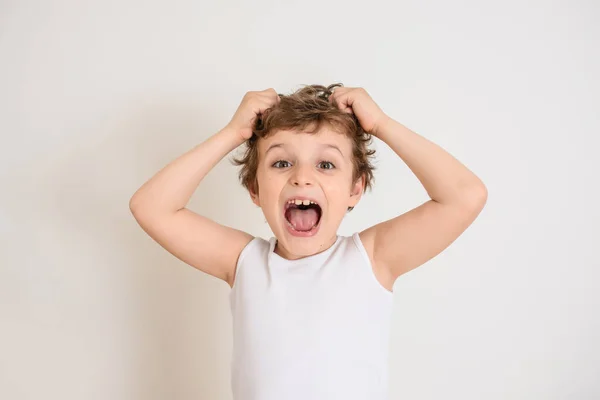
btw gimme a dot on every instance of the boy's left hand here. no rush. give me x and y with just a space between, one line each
358 102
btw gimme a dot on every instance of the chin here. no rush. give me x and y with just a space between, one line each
304 245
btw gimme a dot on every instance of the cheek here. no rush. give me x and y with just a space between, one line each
336 196
270 192
340 187
272 184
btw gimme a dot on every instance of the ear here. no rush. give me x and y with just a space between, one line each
357 190
254 194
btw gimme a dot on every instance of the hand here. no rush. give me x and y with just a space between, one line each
253 104
358 102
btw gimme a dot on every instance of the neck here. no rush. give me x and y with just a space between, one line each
282 252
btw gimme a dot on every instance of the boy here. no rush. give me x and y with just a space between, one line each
311 309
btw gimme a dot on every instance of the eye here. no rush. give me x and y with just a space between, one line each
327 162
277 162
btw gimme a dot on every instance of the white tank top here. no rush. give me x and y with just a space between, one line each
317 328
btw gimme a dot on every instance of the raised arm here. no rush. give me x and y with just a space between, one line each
407 241
159 205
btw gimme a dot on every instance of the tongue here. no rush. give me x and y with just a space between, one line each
303 220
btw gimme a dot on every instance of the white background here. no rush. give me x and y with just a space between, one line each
96 97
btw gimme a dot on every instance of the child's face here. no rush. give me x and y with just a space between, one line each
293 165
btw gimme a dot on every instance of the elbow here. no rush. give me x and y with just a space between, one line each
134 203
477 197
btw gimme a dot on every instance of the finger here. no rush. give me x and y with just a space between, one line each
269 98
333 97
338 99
344 103
268 93
336 93
273 93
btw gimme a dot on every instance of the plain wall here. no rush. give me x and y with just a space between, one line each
96 97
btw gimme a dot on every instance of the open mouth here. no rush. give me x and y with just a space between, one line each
302 215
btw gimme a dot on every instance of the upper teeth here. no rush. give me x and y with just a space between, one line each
298 202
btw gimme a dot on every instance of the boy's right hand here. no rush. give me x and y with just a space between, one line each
253 103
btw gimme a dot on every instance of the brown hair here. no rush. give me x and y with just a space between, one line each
307 107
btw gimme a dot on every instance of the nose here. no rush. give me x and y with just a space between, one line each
302 176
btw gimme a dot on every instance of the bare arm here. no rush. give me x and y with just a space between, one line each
407 241
159 206
172 187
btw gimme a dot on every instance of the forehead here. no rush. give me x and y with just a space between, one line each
324 138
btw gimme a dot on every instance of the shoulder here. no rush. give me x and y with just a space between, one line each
255 249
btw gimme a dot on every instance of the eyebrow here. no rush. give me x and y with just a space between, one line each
282 145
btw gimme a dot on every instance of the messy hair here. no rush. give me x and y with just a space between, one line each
307 108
